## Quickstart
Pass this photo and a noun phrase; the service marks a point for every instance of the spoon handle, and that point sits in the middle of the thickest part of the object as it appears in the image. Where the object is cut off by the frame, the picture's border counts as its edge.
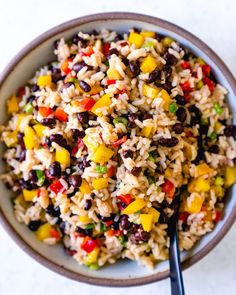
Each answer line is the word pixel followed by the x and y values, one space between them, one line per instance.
pixel 177 286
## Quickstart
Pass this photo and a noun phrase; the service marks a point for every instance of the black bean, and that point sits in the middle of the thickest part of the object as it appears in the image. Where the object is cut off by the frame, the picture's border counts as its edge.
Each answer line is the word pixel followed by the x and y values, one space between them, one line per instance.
pixel 89 232
pixel 83 117
pixel 50 122
pixel 134 228
pixel 27 184
pixel 170 59
pixel 159 169
pixel 230 130
pixel 55 169
pixel 34 225
pixel 80 230
pixel 115 225
pixel 145 236
pixel 35 88
pixel 76 133
pixel 59 139
pixel 20 137
pixel 128 154
pixel 178 128
pixel 80 65
pixel 134 67
pixel 214 149
pixel 75 180
pixel 185 226
pixel 62 226
pixel 84 86
pixel 167 86
pixel 168 142
pixel 132 117
pixel 164 218
pixel 136 170
pixel 118 37
pixel 87 205
pixel 112 51
pixel 56 75
pixel 53 211
pixel 203 129
pixel 125 61
pixel 145 116
pixel 31 98
pixel 76 39
pixel 33 176
pixel 181 114
pixel 167 70
pixel 180 100
pixel 82 165
pixel 140 237
pixel 154 75
pixel 107 218
pixel 22 155
pixel 124 222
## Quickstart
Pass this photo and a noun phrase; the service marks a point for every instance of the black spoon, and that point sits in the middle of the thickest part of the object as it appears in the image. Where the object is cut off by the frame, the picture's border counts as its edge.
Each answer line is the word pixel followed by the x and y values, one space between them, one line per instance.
pixel 176 279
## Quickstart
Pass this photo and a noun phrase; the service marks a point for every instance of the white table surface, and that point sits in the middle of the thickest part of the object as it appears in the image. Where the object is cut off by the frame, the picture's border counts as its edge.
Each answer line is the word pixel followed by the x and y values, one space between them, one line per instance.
pixel 212 21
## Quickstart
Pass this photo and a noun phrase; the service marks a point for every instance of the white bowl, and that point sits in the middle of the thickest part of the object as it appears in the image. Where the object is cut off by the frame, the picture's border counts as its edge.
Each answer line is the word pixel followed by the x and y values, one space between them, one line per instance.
pixel 23 66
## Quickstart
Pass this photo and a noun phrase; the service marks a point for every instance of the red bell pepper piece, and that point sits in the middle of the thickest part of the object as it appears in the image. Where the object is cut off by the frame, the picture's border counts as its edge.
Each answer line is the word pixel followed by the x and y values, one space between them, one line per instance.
pixel 168 188
pixel 127 199
pixel 55 234
pixel 186 86
pixel 87 103
pixel 218 216
pixel 57 187
pixel 21 91
pixel 123 44
pixel 88 244
pixel 119 141
pixel 65 66
pixel 111 81
pixel 183 216
pixel 111 171
pixel 45 111
pixel 187 96
pixel 106 48
pixel 185 64
pixel 61 115
pixel 113 232
pixel 74 150
pixel 206 69
pixel 108 223
pixel 88 52
pixel 209 83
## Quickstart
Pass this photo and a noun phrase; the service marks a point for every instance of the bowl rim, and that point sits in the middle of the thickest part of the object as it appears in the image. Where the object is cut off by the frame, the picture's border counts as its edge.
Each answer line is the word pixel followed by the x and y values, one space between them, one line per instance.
pixel 70 25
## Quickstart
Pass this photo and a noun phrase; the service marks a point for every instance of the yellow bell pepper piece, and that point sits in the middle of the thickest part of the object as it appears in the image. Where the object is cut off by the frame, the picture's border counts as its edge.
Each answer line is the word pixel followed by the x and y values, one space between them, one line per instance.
pixel 44 81
pixel 13 105
pixel 100 183
pixel 218 126
pixel 148 34
pixel 20 117
pixel 136 39
pixel 20 200
pixel 219 191
pixel 30 138
pixel 149 91
pixel 63 156
pixel 113 74
pixel 146 221
pixel 167 41
pixel 104 101
pixel 92 147
pixel 146 131
pixel 134 206
pixel 230 176
pixel 85 188
pixel 195 205
pixel 10 138
pixel 95 89
pixel 102 154
pixel 201 61
pixel 85 219
pixel 168 172
pixel 39 128
pixel 166 98
pixel 148 64
pixel 44 231
pixel 202 185
pixel 29 195
pixel 93 256
pixel 191 186
pixel 208 216
pixel 155 214
pixel 203 169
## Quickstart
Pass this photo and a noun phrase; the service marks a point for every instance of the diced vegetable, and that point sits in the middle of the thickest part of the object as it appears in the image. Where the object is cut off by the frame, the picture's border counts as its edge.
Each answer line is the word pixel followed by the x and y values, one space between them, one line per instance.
pixel 87 103
pixel 21 200
pixel 200 61
pixel 126 199
pixel 102 154
pixel 155 214
pixel 57 187
pixel 186 86
pixel 136 39
pixel 230 176
pixel 202 169
pixel 10 138
pixel 148 34
pixel 134 206
pixel 101 169
pixel 85 188
pixel 173 107
pixel 92 147
pixel 65 67
pixel 45 111
pixel 88 52
pixel 95 89
pixel 111 81
pixel 200 84
pixel 100 183
pixel 29 108
pixel 166 98
pixel 44 81
pixel 20 117
pixel 149 91
pixel 146 221
pixel 94 266
pixel 213 135
pixel 29 195
pixel 61 115
pixel 44 231
pixel 195 205
pixel 202 185
pixel 55 234
pixel 104 101
pixel 93 256
pixel 39 128
pixel 30 138
pixel 41 177
pixel 168 188
pixel 148 44
pixel 206 70
pixel 209 83
pixel 63 156
pixel 113 74
pixel 122 120
pixel 219 191
pixel 106 48
pixel 219 180
pixel 146 131
pixel 111 171
pixel 191 151
pixel 148 64
pixel 12 105
pixel 88 244
pixel 218 126
pixel 167 41
pixel 85 219
pixel 218 109
pixel 119 141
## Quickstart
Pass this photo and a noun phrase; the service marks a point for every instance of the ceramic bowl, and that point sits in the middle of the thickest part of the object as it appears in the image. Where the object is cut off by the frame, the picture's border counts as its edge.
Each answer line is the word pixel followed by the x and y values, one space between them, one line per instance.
pixel 23 66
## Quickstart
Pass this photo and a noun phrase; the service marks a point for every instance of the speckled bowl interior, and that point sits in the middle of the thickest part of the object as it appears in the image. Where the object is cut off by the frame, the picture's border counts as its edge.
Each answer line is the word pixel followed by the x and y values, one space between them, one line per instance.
pixel 22 67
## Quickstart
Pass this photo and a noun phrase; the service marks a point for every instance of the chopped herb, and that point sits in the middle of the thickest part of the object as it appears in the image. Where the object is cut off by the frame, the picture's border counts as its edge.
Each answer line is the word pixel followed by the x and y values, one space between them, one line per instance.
pixel 219 180
pixel 173 107
pixel 151 179
pixel 103 227
pixel 212 136
pixel 148 44
pixel 122 120
pixel 199 84
pixel 94 266
pixel 90 226
pixel 151 159
pixel 29 108
pixel 122 240
pixel 73 80
pixel 218 109
pixel 101 169
pixel 41 177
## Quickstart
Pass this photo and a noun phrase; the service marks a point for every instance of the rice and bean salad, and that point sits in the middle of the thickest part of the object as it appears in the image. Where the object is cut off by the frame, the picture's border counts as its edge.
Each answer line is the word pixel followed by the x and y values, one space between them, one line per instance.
pixel 102 140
